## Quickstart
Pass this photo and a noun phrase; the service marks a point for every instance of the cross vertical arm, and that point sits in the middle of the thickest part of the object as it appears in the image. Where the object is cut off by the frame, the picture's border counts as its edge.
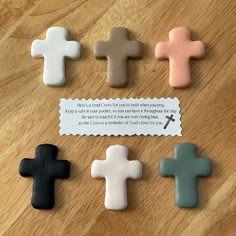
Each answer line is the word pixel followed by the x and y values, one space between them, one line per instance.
pixel 56 32
pixel 186 193
pixel 48 150
pixel 119 33
pixel 116 193
pixel 43 191
pixel 185 149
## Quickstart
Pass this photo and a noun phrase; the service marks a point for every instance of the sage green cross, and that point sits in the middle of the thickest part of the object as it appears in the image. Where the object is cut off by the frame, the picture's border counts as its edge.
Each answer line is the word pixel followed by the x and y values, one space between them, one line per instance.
pixel 186 167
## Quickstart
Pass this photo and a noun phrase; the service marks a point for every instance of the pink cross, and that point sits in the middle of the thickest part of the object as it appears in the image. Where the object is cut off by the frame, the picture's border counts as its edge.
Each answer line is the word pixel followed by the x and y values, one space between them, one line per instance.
pixel 179 50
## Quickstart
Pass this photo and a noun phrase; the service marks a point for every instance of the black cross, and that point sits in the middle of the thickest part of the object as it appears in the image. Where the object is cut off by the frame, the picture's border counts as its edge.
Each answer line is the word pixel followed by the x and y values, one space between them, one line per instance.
pixel 170 118
pixel 44 169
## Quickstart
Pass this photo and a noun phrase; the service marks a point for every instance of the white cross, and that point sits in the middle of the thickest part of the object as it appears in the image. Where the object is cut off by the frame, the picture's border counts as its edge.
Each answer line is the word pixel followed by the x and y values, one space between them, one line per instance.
pixel 116 169
pixel 54 50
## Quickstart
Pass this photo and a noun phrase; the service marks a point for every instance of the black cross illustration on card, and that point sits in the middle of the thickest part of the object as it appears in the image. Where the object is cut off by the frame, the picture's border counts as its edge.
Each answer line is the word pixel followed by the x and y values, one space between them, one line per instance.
pixel 170 118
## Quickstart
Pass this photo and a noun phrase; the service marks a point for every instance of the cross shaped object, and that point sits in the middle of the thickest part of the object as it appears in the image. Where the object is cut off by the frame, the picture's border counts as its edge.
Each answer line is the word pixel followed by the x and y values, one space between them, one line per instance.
pixel 117 49
pixel 54 50
pixel 185 167
pixel 44 169
pixel 116 169
pixel 170 118
pixel 179 50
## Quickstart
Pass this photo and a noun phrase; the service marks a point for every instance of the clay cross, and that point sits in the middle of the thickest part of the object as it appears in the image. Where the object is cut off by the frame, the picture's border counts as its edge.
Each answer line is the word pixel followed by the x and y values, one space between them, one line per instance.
pixel 44 169
pixel 179 50
pixel 169 119
pixel 54 50
pixel 116 169
pixel 186 167
pixel 117 49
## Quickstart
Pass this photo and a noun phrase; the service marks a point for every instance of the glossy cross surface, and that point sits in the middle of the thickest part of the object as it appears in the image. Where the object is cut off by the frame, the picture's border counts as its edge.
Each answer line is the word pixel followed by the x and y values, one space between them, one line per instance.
pixel 116 169
pixel 44 169
pixel 179 50
pixel 186 167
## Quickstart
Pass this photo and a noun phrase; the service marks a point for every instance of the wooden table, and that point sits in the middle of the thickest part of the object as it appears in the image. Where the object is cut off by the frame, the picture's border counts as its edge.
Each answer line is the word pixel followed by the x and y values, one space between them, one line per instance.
pixel 30 116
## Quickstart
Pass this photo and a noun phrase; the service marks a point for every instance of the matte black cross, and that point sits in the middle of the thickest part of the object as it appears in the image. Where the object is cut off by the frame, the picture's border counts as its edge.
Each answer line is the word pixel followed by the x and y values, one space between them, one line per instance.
pixel 44 169
pixel 170 118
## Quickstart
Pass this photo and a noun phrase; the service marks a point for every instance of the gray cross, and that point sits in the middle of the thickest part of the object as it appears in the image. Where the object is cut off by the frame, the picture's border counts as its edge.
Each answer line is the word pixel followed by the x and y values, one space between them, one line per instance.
pixel 185 167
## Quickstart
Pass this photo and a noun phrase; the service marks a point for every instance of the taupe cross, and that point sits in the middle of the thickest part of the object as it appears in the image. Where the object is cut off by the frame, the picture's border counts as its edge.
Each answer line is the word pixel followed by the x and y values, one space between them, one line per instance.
pixel 117 49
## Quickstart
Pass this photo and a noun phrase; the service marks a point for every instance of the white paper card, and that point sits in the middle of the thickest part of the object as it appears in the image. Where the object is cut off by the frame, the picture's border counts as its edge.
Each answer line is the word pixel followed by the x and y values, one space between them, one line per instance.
pixel 150 116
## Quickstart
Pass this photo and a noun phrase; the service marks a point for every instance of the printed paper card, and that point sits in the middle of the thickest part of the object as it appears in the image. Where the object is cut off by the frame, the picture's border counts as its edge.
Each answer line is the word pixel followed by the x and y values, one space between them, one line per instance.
pixel 134 116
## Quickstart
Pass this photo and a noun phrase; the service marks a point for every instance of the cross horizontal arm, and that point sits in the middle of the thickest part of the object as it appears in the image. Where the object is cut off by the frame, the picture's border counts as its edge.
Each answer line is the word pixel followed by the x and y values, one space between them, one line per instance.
pixel 203 166
pixel 196 49
pixel 162 51
pixel 72 50
pixel 98 169
pixel 38 48
pixel 168 167
pixel 135 169
pixel 134 49
pixel 60 169
pixel 101 49
pixel 26 167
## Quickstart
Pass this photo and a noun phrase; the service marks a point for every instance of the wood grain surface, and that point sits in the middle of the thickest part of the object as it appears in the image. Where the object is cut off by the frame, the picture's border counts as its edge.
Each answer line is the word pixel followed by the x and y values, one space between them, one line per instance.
pixel 29 115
